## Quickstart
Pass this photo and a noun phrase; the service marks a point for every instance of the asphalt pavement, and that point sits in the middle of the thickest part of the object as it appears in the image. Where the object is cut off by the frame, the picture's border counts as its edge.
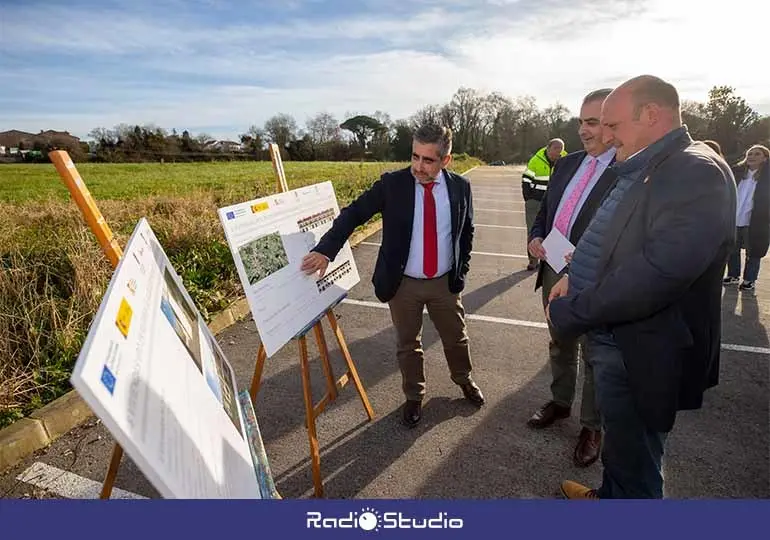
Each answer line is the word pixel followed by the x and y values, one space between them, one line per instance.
pixel 458 450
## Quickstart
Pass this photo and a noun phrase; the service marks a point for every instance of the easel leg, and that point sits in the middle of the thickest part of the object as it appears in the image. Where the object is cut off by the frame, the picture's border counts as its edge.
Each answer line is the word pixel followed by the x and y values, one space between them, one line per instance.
pixel 353 371
pixel 323 350
pixel 257 377
pixel 315 455
pixel 112 472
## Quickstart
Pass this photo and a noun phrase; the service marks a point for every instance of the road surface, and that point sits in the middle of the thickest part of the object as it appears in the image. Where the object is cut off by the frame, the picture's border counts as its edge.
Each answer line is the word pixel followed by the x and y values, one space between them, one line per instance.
pixel 458 451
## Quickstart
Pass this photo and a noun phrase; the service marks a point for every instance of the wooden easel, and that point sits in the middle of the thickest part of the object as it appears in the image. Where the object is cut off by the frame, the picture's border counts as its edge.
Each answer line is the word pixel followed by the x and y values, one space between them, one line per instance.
pixel 312 410
pixel 95 220
pixel 104 235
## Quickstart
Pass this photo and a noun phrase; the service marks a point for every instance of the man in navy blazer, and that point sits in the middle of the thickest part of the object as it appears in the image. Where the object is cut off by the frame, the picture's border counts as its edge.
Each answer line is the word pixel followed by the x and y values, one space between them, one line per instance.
pixel 578 184
pixel 645 284
pixel 427 237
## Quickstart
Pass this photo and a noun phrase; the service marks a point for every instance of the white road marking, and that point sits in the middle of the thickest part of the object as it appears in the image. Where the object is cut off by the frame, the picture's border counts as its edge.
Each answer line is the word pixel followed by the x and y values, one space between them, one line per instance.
pixel 509 322
pixel 496 210
pixel 499 226
pixel 499 199
pixel 471 316
pixel 68 485
pixel 745 348
pixel 537 324
pixel 504 255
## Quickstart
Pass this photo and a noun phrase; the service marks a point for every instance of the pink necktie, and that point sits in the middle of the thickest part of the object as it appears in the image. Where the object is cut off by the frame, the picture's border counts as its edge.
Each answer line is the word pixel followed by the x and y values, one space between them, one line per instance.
pixel 564 217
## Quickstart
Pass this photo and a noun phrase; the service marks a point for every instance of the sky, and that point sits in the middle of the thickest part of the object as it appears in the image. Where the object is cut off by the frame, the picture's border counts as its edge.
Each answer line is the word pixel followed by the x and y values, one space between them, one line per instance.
pixel 218 67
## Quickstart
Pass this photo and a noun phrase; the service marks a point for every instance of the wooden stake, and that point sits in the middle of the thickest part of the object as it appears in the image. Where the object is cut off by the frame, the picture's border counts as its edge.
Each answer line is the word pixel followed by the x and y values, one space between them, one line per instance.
pixel 82 197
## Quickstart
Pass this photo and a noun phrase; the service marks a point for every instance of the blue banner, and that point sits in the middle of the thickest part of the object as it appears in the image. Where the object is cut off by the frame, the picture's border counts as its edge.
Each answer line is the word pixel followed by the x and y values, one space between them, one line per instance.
pixel 617 520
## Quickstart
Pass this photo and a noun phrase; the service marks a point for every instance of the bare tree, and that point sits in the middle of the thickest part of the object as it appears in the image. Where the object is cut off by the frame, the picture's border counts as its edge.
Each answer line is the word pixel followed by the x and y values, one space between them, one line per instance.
pixel 103 136
pixel 555 117
pixel 281 129
pixel 323 128
pixel 427 115
pixel 468 108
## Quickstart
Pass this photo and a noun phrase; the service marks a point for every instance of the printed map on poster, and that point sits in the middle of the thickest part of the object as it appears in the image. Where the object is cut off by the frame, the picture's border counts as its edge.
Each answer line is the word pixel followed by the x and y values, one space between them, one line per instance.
pixel 151 370
pixel 268 238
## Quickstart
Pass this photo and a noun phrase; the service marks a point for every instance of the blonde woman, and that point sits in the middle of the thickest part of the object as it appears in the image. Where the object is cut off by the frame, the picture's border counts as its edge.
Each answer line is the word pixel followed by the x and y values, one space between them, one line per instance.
pixel 752 174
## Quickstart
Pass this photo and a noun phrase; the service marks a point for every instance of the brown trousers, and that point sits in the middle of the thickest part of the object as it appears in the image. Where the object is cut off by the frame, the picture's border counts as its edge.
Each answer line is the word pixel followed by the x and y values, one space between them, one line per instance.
pixel 448 315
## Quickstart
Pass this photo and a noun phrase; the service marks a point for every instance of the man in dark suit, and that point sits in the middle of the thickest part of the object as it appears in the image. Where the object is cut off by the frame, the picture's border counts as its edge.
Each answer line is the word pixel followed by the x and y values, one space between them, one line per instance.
pixel 645 284
pixel 427 235
pixel 578 184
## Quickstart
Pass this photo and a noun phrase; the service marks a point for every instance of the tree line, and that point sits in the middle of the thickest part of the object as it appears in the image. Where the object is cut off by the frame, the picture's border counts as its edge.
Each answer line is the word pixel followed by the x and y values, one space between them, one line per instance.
pixel 490 126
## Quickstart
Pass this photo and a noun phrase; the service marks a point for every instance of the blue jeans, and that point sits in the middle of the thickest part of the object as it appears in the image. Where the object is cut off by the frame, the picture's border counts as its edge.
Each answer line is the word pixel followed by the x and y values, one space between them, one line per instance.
pixel 751 272
pixel 632 453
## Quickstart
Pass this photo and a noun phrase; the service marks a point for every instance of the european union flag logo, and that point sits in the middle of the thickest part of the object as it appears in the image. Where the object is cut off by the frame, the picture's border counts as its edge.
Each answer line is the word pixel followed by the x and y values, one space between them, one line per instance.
pixel 231 215
pixel 108 379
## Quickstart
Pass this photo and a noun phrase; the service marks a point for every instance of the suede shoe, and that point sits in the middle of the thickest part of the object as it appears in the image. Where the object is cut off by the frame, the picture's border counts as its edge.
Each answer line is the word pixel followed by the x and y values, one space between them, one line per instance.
pixel 573 490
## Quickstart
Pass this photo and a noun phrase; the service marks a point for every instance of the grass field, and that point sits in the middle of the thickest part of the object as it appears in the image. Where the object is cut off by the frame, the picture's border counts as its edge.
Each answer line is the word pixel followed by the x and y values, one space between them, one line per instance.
pixel 231 180
pixel 53 274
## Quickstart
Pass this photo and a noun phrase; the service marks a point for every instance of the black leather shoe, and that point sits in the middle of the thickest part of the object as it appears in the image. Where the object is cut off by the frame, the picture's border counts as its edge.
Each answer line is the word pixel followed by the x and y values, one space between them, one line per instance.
pixel 473 393
pixel 547 415
pixel 412 413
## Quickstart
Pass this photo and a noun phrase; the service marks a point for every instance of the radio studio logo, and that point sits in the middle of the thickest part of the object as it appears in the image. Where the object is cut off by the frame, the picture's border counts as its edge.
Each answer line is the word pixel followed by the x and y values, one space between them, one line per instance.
pixel 369 519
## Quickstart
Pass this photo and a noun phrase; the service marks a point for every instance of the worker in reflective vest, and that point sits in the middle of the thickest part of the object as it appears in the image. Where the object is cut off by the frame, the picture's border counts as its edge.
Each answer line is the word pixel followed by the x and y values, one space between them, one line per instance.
pixel 534 182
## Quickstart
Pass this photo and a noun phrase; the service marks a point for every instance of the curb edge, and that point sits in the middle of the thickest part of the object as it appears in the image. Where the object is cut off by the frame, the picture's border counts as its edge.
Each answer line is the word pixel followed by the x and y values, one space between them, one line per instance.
pixel 46 424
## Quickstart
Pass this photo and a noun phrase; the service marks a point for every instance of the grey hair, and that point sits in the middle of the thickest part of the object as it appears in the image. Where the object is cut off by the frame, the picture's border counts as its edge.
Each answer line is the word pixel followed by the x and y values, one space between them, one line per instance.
pixel 554 141
pixel 435 134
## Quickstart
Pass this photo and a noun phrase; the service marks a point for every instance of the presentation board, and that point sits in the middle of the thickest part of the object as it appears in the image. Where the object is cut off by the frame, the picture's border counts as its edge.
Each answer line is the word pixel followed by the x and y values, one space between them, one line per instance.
pixel 151 370
pixel 268 238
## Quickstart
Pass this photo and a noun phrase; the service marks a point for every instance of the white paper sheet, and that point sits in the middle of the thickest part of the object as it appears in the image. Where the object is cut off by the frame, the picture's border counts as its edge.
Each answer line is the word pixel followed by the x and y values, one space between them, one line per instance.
pixel 154 374
pixel 268 238
pixel 556 247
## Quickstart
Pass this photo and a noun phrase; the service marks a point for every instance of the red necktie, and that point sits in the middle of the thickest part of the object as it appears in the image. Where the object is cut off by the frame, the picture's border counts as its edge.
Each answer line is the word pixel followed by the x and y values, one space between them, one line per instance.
pixel 429 234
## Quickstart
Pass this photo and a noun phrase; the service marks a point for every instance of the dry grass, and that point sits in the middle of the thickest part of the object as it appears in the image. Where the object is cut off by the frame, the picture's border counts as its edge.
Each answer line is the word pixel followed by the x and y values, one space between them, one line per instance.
pixel 53 274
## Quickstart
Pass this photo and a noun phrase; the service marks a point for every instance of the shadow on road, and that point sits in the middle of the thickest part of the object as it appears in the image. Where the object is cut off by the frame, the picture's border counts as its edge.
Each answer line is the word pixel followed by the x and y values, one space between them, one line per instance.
pixel 357 458
pixel 374 357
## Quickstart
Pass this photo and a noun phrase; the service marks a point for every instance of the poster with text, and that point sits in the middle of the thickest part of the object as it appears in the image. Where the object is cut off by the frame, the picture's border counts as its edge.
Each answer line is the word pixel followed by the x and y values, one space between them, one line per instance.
pixel 151 370
pixel 268 238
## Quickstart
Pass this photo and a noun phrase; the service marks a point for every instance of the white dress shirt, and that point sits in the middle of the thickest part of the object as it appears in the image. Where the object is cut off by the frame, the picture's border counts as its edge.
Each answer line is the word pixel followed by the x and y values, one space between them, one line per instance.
pixel 604 161
pixel 745 205
pixel 443 228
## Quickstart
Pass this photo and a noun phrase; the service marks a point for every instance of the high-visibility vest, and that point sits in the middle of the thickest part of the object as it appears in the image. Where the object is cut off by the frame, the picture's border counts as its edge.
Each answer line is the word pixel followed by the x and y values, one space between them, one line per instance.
pixel 535 177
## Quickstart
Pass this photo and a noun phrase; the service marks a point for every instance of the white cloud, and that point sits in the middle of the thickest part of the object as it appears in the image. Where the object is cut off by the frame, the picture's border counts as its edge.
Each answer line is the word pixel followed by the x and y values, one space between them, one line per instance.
pixel 232 76
pixel 669 39
pixel 118 33
pixel 338 85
